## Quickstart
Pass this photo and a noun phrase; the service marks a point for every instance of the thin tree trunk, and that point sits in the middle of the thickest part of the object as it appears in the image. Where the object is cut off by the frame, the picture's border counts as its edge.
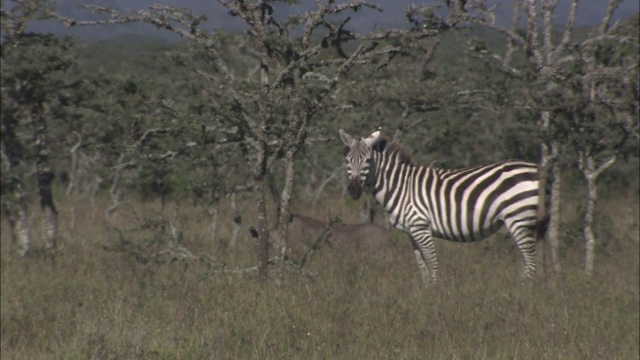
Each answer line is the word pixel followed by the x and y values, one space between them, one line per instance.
pixel 542 240
pixel 21 226
pixel 319 190
pixel 73 180
pixel 14 203
pixel 294 140
pixel 213 212
pixel 263 231
pixel 114 193
pixel 72 216
pixel 45 179
pixel 260 166
pixel 285 202
pixel 553 229
pixel 589 237
pixel 94 194
pixel 591 174
pixel 73 167
pixel 549 164
pixel 16 210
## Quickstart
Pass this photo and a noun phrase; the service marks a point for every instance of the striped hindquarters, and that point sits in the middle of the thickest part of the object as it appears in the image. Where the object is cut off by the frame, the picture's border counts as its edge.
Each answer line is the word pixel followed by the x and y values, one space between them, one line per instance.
pixel 471 204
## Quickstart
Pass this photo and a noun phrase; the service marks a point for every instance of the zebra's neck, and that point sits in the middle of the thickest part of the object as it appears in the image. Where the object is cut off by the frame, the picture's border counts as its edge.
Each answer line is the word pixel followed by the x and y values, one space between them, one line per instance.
pixel 391 172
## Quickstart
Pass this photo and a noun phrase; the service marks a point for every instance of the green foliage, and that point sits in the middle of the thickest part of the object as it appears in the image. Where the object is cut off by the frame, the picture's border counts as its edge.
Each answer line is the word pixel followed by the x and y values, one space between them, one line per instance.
pixel 599 97
pixel 443 102
pixel 35 80
pixel 34 73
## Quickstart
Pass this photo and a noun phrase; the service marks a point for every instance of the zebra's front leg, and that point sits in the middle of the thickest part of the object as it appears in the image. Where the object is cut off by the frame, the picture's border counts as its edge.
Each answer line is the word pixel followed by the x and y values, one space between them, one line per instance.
pixel 425 251
pixel 422 264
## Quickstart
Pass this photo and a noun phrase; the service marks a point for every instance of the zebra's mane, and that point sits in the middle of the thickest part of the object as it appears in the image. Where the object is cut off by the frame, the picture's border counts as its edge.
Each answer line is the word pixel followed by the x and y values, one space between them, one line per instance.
pixel 394 150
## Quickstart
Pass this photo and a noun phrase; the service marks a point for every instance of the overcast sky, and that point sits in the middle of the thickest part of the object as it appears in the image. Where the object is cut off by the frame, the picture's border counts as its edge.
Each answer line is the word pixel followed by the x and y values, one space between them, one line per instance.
pixel 589 13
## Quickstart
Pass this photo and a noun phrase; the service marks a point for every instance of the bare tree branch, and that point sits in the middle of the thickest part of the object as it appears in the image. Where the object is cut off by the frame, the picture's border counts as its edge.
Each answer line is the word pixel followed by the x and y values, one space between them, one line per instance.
pixel 605 24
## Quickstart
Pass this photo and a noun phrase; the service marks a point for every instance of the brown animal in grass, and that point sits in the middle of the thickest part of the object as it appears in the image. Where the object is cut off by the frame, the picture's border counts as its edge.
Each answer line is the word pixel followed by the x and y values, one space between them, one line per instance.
pixel 305 233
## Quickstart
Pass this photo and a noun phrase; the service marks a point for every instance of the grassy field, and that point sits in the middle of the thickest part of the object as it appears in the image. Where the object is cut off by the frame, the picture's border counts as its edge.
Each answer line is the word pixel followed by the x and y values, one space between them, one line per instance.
pixel 92 303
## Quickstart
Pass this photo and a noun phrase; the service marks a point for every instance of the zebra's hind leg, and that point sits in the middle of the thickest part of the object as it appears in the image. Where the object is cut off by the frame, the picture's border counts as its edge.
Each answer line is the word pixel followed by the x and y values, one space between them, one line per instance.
pixel 425 251
pixel 523 236
pixel 422 265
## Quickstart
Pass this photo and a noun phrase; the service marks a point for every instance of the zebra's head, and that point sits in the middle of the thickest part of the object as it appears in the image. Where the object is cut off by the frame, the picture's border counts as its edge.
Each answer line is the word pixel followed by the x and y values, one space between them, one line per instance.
pixel 358 161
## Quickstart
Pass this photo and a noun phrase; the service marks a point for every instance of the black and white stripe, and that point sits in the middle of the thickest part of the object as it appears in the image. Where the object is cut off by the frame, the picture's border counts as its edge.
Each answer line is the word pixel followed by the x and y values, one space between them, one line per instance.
pixel 459 205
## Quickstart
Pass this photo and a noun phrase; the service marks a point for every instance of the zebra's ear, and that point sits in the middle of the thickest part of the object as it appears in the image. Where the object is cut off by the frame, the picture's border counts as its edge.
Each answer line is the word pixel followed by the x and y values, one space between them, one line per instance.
pixel 372 139
pixel 346 138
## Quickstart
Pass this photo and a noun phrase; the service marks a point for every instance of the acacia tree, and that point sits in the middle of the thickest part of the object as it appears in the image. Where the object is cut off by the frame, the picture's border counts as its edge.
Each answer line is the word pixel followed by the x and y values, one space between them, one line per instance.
pixel 601 107
pixel 544 54
pixel 541 56
pixel 266 106
pixel 34 76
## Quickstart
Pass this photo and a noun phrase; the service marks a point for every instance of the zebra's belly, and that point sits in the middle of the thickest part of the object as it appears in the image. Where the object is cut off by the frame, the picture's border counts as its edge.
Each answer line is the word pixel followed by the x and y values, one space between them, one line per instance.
pixel 463 235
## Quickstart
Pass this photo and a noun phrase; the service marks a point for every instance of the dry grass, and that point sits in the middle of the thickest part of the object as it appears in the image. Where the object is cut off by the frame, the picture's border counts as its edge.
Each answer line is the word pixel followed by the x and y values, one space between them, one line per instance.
pixel 96 304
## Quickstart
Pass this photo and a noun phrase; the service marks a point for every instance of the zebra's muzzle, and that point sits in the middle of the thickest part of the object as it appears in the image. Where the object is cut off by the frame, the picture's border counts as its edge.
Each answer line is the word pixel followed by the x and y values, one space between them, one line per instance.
pixel 355 188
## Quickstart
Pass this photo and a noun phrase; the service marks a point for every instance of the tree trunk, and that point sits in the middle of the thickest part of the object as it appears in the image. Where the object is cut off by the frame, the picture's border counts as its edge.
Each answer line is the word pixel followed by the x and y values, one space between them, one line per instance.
pixel 550 166
pixel 14 202
pixel 213 212
pixel 45 179
pixel 591 174
pixel 260 166
pixel 73 167
pixel 16 210
pixel 114 192
pixel 21 227
pixel 542 240
pixel 589 237
pixel 94 194
pixel 283 221
pixel 553 228
pixel 73 181
pixel 263 231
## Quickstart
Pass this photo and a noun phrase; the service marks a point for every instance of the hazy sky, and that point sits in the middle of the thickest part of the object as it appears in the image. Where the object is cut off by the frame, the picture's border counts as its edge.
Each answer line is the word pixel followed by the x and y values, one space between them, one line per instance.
pixel 589 13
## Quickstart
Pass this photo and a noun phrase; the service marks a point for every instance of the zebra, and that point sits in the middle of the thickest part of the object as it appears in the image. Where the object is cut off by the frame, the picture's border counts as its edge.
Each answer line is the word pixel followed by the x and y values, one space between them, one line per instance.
pixel 460 205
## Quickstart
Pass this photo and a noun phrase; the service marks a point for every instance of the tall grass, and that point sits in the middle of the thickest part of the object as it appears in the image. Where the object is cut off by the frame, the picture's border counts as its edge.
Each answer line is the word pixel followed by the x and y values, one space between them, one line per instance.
pixel 91 303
